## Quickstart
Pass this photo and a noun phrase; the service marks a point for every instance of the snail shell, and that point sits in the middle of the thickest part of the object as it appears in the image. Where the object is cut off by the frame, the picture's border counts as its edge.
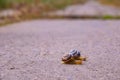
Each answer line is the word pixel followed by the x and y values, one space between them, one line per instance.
pixel 75 53
pixel 66 58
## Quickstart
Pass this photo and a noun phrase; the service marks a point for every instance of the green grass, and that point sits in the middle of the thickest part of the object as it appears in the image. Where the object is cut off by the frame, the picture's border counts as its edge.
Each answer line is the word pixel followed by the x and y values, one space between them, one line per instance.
pixel 50 3
pixel 111 2
pixel 60 3
pixel 108 17
pixel 9 3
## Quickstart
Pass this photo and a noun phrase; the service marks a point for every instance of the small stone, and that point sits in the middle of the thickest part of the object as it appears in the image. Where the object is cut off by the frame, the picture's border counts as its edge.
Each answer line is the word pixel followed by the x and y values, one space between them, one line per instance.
pixel 11 68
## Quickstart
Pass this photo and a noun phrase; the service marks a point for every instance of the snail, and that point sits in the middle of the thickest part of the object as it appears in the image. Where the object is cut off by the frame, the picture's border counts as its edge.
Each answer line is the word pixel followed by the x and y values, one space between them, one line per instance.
pixel 73 57
pixel 76 55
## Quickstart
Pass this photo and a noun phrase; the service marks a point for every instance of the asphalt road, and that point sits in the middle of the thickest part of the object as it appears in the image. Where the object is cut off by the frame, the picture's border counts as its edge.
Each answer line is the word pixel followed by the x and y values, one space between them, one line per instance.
pixel 32 50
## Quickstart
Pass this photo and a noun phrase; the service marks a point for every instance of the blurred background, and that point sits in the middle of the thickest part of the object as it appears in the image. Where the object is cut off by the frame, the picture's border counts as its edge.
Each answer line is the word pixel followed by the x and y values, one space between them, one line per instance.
pixel 44 30
pixel 17 10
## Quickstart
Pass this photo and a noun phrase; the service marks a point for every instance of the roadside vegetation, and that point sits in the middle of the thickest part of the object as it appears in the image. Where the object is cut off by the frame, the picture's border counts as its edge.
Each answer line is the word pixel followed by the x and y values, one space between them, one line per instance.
pixel 32 9
pixel 111 2
pixel 51 3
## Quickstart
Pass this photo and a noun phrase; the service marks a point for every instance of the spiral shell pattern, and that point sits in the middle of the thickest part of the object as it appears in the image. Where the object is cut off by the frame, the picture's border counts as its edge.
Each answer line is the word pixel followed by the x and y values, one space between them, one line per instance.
pixel 75 53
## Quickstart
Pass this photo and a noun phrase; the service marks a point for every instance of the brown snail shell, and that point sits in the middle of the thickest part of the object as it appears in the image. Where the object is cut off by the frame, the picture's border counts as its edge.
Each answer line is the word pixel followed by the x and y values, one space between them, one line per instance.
pixel 66 58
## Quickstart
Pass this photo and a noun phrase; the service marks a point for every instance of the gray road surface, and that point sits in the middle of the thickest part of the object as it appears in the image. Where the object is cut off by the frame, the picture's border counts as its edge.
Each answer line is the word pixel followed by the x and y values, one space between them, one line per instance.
pixel 32 50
